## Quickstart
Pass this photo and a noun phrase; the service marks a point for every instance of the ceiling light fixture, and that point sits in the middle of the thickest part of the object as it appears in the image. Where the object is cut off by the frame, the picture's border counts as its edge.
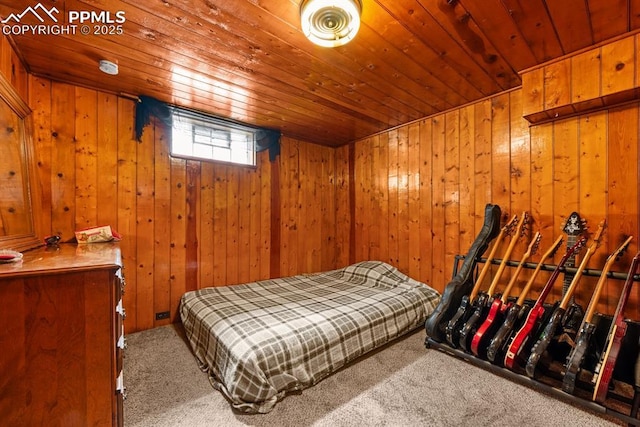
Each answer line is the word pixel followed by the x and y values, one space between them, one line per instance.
pixel 108 67
pixel 330 23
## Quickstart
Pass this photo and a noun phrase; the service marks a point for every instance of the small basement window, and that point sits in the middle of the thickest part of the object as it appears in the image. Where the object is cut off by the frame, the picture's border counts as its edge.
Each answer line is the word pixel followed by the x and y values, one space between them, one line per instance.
pixel 198 136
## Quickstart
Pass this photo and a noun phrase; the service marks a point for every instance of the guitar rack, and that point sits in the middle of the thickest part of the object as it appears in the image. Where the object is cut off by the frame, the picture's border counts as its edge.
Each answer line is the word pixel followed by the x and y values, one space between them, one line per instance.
pixel 623 406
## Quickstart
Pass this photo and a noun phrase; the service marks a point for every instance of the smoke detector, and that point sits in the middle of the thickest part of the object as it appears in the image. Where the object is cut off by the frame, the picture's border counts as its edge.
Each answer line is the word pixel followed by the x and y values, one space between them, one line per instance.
pixel 108 67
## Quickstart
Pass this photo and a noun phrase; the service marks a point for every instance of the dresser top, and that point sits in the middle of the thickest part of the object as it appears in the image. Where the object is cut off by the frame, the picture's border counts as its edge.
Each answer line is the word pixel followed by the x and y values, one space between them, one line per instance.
pixel 65 258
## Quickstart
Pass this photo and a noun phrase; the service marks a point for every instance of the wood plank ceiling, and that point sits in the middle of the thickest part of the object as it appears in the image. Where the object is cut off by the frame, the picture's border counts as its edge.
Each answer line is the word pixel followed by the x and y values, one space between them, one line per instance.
pixel 249 61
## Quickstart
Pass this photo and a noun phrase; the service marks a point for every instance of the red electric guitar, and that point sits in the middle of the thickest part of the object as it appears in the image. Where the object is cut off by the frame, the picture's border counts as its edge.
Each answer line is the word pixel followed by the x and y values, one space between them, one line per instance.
pixel 484 301
pixel 515 356
pixel 617 331
pixel 495 352
pixel 554 324
pixel 500 306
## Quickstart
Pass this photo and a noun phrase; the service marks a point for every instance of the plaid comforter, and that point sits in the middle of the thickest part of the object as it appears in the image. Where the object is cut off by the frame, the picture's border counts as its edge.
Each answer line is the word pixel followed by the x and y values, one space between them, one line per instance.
pixel 260 340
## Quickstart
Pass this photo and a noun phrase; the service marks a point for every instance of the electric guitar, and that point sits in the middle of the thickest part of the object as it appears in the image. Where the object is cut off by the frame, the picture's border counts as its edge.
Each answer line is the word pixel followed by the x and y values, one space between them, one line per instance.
pixel 604 368
pixel 483 300
pixel 517 310
pixel 576 357
pixel 554 324
pixel 469 302
pixel 462 283
pixel 514 356
pixel 499 306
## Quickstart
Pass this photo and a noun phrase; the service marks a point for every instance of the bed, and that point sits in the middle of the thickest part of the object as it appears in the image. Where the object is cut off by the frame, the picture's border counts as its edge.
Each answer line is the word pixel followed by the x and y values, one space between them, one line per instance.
pixel 260 340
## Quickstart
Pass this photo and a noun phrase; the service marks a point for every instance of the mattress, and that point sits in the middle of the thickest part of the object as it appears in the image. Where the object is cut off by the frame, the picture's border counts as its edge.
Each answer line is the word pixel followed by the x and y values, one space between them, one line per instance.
pixel 261 340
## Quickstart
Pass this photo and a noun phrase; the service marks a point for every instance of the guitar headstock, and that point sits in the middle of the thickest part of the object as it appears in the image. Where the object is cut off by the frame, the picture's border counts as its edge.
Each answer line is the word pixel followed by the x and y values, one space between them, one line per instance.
pixel 598 236
pixel 574 225
pixel 534 245
pixel 510 226
pixel 622 248
pixel 577 246
pixel 526 221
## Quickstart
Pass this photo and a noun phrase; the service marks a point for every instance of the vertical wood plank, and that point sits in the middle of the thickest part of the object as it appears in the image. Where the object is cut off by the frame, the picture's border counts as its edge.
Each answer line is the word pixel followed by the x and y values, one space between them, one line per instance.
pixel 145 227
pixel 86 162
pixel 107 146
pixel 618 66
pixel 220 226
pixel 178 224
pixel 403 200
pixel 413 206
pixel 393 198
pixel 383 179
pixel 440 271
pixel 451 189
pixel 426 220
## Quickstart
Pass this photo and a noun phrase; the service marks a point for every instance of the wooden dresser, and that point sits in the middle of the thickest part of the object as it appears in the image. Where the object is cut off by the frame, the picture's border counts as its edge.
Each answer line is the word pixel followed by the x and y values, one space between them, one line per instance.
pixel 62 337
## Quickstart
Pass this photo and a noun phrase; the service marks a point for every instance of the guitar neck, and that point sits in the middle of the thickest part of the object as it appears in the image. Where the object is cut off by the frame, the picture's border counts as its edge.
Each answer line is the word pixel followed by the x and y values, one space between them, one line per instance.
pixel 591 309
pixel 571 262
pixel 618 316
pixel 525 291
pixel 486 266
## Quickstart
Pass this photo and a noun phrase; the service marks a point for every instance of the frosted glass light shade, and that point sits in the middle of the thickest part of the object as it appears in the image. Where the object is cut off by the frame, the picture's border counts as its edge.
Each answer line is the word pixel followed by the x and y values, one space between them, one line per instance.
pixel 330 23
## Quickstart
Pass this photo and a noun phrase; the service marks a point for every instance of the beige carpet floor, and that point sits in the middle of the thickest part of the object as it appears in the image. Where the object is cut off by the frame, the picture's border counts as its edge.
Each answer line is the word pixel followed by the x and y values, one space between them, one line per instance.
pixel 403 384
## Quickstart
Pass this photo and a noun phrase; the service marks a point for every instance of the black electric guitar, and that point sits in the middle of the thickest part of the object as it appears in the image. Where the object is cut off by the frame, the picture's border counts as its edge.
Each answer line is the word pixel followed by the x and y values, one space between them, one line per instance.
pixel 576 357
pixel 499 306
pixel 467 306
pixel 495 351
pixel 484 300
pixel 618 329
pixel 462 283
pixel 520 341
pixel 553 326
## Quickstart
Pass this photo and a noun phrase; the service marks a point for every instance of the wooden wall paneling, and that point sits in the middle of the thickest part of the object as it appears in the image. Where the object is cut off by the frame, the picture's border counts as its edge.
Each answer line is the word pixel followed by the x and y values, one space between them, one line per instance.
pixel 63 160
pixel 328 209
pixel 267 210
pixel 162 217
pixel 426 218
pixel 233 226
pixel 363 219
pixel 244 224
pixel 501 170
pixel 592 186
pixel 533 95
pixel 255 221
pixel 145 227
pixel 127 226
pixel 220 225
pixel 343 206
pixel 623 198
pixel 289 202
pixel 618 66
pixel 383 178
pixel 482 162
pixel 192 209
pixel 178 171
pixel 542 196
pixel 566 184
pixel 40 101
pixel 520 170
pixel 107 159
pixel 452 228
pixel 403 200
pixel 413 206
pixel 394 182
pixel 14 291
pixel 441 272
pixel 86 162
pixel 466 170
pixel 375 196
pixel 557 87
pixel 313 211
pixel 205 226
pixel 586 79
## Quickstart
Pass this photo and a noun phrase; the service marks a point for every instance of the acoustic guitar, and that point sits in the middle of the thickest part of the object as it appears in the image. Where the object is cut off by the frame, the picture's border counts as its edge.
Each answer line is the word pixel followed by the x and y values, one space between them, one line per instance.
pixel 618 329
pixel 469 302
pixel 587 328
pixel 554 324
pixel 517 310
pixel 514 356
pixel 499 306
pixel 481 309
